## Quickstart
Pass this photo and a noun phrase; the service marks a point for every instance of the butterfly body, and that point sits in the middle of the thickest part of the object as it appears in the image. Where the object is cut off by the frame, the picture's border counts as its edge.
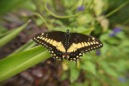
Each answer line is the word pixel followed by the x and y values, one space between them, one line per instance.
pixel 66 45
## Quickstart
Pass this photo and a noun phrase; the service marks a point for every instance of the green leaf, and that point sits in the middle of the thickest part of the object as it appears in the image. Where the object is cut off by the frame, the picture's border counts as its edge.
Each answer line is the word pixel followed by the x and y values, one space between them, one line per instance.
pixel 95 83
pixel 14 64
pixel 12 35
pixel 74 72
pixel 98 7
pixel 108 69
pixel 83 30
pixel 7 5
pixel 86 83
pixel 84 19
pixel 26 46
pixel 64 76
pixel 2 29
pixel 89 66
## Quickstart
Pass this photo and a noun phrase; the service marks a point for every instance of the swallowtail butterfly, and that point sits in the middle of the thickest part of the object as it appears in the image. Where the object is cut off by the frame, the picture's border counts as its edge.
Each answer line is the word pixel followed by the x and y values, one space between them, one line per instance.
pixel 66 45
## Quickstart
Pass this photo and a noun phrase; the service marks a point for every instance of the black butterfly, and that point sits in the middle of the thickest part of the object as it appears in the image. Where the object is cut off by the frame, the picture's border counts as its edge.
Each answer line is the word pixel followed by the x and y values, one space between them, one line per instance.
pixel 65 45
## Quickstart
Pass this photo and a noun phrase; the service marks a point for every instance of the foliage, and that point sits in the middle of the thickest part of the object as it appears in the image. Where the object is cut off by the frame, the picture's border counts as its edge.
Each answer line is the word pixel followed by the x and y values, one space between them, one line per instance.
pixel 105 67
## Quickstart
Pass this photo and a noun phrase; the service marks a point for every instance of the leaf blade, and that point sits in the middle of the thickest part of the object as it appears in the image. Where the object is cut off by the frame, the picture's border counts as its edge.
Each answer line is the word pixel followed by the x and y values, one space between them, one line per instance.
pixel 12 35
pixel 14 64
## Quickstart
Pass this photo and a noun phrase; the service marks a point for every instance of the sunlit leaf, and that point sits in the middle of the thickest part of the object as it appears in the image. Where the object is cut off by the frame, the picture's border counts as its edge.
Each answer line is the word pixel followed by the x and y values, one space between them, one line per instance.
pixel 4 40
pixel 74 72
pixel 108 69
pixel 16 63
pixel 90 67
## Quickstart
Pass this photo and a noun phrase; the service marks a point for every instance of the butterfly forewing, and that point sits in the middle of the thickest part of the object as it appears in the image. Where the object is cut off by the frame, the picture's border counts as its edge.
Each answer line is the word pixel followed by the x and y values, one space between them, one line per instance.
pixel 49 38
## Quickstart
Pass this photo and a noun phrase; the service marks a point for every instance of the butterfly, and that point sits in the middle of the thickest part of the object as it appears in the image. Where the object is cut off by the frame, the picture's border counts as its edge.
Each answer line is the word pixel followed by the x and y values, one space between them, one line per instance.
pixel 66 45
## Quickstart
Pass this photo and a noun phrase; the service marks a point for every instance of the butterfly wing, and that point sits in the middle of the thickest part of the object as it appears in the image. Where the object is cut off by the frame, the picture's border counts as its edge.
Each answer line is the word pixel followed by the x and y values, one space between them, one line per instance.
pixel 53 41
pixel 80 44
pixel 67 45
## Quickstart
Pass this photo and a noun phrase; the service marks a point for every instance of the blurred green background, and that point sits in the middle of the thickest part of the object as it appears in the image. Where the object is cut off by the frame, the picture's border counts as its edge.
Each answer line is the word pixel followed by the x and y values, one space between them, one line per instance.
pixel 24 63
